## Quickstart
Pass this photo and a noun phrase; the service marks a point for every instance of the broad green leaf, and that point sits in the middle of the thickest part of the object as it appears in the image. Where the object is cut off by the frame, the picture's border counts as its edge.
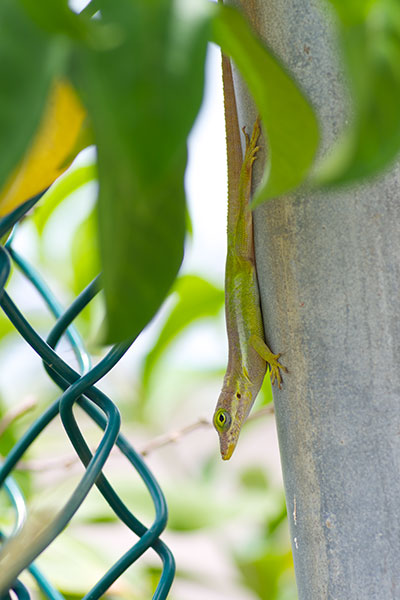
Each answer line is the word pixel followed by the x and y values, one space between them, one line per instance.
pixel 91 8
pixel 287 116
pixel 196 298
pixel 62 188
pixel 143 96
pixel 353 12
pixel 29 61
pixel 55 16
pixel 370 34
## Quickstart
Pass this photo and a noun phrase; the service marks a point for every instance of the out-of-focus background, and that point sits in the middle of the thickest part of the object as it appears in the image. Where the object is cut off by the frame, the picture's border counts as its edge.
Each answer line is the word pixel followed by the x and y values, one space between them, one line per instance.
pixel 227 525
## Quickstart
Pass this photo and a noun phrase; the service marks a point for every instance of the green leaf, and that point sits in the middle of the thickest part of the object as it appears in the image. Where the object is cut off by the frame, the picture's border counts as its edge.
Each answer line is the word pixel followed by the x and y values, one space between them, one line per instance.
pixel 85 558
pixel 8 437
pixel 6 327
pixel 85 255
pixel 370 34
pixel 354 11
pixel 143 95
pixel 196 298
pixel 29 60
pixel 268 573
pixel 55 16
pixel 254 478
pixel 196 507
pixel 63 187
pixel 91 8
pixel 287 116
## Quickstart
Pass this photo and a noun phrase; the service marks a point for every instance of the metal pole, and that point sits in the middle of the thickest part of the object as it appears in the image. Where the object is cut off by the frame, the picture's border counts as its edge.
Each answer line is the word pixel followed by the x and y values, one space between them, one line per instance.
pixel 329 273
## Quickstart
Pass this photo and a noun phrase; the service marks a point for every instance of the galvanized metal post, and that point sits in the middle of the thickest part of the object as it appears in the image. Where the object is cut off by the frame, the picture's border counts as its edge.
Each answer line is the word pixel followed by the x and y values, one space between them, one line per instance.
pixel 329 272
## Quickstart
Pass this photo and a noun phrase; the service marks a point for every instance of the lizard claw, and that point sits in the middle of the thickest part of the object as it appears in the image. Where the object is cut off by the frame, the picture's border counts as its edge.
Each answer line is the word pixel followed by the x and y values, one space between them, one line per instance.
pixel 275 369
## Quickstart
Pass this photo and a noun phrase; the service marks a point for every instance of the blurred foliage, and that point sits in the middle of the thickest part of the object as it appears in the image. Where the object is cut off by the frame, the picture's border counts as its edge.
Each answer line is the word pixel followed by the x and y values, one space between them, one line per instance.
pixel 60 130
pixel 196 298
pixel 369 33
pixel 23 47
pixel 10 432
pixel 138 70
pixel 269 574
pixel 63 187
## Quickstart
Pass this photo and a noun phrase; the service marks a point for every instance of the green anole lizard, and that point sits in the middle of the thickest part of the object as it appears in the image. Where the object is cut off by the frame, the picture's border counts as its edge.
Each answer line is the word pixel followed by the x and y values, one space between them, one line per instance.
pixel 249 355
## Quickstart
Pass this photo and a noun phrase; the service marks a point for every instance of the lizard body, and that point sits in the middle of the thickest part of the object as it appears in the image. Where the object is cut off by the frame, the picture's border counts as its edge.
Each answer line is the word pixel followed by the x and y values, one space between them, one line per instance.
pixel 248 352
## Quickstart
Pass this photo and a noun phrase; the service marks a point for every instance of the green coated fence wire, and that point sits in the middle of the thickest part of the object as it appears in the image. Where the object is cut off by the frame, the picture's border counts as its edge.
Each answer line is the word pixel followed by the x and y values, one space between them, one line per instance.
pixel 77 388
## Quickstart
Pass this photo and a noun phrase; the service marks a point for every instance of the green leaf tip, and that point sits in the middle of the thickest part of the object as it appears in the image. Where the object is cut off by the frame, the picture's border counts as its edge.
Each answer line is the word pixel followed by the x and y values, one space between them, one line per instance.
pixel 288 117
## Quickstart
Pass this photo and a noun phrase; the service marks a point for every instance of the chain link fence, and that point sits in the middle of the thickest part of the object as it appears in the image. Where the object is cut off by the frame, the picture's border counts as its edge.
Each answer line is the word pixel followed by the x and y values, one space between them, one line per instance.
pixel 77 388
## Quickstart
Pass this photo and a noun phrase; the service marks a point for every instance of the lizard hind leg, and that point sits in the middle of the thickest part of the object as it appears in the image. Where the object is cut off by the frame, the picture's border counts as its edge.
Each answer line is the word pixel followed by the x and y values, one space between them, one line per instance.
pixel 272 359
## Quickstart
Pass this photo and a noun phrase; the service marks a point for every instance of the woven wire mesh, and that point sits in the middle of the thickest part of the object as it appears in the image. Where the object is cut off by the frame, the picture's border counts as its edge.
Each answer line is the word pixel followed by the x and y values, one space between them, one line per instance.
pixel 77 388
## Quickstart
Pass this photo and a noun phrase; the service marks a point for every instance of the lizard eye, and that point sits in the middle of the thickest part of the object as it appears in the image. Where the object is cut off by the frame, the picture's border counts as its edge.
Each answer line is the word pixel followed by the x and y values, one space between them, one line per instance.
pixel 222 419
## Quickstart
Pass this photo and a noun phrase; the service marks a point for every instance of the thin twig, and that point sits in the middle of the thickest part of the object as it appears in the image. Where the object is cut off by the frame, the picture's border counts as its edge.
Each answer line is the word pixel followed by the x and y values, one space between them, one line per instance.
pixel 47 464
pixel 161 441
pixel 261 412
pixel 174 436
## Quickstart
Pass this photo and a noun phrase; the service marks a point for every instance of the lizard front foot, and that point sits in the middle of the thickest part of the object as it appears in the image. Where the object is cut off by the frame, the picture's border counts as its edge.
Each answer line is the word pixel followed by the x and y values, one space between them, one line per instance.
pixel 275 368
pixel 272 359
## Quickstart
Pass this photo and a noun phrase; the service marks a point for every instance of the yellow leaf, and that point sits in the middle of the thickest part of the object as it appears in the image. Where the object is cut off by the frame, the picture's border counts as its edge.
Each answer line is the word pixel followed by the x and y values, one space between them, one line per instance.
pixel 51 151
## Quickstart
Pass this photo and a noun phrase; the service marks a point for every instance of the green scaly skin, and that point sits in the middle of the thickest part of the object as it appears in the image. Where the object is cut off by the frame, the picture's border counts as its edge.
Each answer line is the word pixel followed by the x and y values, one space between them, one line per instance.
pixel 249 355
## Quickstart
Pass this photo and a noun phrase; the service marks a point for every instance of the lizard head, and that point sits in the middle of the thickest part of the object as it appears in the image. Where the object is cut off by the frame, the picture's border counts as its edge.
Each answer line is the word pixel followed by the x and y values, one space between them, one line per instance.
pixel 232 409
